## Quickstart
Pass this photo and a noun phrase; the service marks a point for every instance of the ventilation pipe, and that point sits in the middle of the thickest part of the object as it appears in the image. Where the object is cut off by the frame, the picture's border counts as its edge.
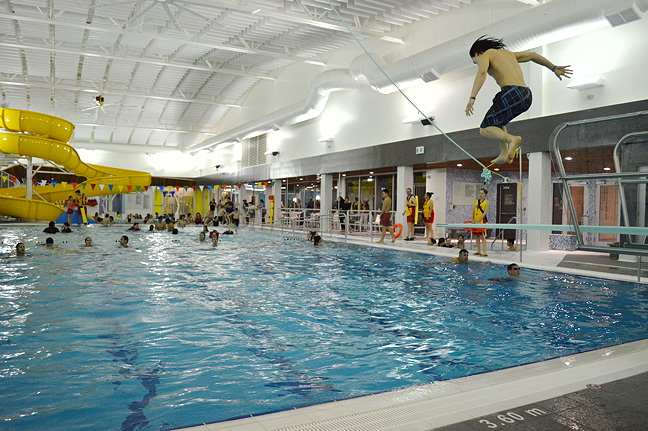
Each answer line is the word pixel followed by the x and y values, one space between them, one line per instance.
pixel 324 84
pixel 548 23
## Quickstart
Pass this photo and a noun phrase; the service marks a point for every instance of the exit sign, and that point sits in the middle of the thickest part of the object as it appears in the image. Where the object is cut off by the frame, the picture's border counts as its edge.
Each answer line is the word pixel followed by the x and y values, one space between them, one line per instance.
pixel 420 150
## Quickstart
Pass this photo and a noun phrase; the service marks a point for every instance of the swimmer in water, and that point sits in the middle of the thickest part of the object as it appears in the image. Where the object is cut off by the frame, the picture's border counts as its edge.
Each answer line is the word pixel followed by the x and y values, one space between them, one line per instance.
pixel 123 241
pixel 201 236
pixel 513 271
pixel 88 242
pixel 492 58
pixel 214 239
pixel 20 249
pixel 463 257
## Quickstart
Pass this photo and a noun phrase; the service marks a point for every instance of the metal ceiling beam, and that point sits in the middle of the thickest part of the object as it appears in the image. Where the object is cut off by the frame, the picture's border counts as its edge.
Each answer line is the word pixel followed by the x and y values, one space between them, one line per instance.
pixel 118 93
pixel 117 29
pixel 133 59
pixel 154 129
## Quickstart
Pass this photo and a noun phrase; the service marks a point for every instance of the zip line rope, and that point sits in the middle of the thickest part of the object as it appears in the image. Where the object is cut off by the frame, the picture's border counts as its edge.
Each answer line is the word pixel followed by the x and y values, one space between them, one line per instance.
pixel 486 173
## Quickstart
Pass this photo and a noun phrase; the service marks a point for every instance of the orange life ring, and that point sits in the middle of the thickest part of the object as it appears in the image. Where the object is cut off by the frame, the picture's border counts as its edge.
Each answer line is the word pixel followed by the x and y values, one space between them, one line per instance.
pixel 477 230
pixel 398 227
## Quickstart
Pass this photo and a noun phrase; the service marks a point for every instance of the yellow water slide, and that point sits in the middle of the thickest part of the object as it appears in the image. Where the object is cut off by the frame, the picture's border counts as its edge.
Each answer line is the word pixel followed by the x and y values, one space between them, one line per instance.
pixel 31 134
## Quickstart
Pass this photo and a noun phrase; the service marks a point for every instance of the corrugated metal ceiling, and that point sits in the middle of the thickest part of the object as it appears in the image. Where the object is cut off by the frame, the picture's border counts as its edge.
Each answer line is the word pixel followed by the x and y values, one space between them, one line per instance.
pixel 170 65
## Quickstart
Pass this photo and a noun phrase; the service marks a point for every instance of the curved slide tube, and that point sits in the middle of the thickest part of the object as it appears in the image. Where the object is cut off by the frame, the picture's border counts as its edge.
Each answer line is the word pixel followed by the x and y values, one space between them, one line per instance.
pixel 51 144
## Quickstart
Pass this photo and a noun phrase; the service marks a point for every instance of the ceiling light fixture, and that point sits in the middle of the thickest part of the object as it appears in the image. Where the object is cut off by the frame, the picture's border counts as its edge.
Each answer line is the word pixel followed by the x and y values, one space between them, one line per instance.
pixel 607 169
pixel 316 63
pixel 459 165
pixel 568 158
pixel 392 39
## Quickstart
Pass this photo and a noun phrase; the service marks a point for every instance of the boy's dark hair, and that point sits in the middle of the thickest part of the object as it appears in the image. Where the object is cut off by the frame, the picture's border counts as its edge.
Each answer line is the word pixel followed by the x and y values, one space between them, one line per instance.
pixel 484 43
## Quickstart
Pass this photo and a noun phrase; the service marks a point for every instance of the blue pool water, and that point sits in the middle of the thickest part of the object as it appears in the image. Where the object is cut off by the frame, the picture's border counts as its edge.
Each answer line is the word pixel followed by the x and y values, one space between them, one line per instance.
pixel 172 332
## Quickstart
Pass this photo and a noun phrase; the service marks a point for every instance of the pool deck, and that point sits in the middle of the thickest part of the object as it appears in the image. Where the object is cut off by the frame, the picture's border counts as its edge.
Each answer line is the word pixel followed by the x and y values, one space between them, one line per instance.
pixel 599 390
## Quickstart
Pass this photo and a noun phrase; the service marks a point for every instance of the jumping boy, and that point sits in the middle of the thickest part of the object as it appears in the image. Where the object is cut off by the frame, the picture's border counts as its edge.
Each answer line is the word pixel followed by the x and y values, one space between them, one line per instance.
pixel 490 56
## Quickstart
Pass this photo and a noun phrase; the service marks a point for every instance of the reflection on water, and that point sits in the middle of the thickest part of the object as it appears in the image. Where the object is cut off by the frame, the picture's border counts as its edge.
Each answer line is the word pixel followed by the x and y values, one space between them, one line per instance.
pixel 170 333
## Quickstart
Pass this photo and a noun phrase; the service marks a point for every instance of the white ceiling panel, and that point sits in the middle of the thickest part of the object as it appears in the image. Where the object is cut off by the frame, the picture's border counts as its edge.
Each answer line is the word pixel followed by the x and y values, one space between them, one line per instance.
pixel 145 76
pixel 102 134
pixel 66 65
pixel 121 71
pixel 38 63
pixel 93 68
pixel 11 61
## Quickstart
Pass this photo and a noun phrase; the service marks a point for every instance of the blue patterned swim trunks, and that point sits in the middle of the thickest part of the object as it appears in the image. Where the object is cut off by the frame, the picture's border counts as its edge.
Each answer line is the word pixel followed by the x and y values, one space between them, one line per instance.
pixel 507 104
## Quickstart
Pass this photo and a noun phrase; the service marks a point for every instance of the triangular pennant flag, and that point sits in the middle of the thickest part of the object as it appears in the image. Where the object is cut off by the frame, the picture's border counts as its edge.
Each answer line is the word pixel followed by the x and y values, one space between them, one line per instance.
pixel 146 188
pixel 110 187
pixel 162 188
pixel 23 180
pixel 5 178
pixel 201 188
pixel 34 181
pixel 93 186
pixel 129 188
pixel 137 188
pixel 210 187
pixel 63 183
pixel 120 187
pixel 186 187
pixel 177 188
pixel 74 185
pixel 83 186
pixel 101 186
pixel 54 183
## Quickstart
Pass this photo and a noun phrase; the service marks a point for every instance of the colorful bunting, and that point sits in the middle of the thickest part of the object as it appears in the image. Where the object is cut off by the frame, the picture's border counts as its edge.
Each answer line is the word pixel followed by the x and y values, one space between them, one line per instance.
pixel 93 186
pixel 110 187
pixel 101 186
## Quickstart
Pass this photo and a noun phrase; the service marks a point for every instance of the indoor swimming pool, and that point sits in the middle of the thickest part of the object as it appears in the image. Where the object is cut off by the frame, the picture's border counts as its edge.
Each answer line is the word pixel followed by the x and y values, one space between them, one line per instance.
pixel 172 332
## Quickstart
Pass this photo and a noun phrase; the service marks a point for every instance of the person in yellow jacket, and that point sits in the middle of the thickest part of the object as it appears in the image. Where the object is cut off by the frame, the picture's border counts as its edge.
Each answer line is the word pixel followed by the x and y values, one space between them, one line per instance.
pixel 410 212
pixel 428 215
pixel 480 209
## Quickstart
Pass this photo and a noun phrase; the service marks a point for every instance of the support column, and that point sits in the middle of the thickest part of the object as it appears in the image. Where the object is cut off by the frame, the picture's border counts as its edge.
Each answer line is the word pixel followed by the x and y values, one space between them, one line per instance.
pixel 404 180
pixel 435 182
pixel 539 201
pixel 341 189
pixel 326 201
pixel 30 174
pixel 275 190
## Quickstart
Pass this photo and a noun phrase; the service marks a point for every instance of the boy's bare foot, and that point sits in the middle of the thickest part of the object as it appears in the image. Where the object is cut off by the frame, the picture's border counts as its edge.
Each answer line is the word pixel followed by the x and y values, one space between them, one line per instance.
pixel 380 242
pixel 512 149
pixel 393 240
pixel 503 155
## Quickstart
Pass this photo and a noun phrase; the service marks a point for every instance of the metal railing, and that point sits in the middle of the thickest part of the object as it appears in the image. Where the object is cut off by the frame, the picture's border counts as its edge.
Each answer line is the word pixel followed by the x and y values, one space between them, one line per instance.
pixel 333 223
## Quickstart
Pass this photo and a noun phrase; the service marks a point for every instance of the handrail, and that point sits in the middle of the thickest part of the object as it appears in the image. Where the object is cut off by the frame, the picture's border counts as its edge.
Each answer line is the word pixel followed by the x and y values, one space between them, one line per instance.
pixel 501 234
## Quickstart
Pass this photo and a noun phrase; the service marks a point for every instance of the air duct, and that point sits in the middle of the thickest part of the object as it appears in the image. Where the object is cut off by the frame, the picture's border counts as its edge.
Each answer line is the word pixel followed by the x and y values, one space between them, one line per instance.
pixel 541 25
pixel 324 84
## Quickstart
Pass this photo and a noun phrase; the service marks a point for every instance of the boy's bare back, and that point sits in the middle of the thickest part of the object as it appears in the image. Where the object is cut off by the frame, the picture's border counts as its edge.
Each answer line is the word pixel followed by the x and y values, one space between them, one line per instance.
pixel 503 66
